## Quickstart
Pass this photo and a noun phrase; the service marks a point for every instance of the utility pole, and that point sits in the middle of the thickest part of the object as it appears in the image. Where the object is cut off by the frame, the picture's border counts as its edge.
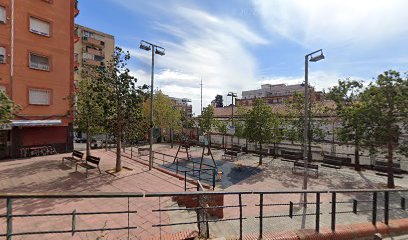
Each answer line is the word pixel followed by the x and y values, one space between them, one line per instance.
pixel 201 85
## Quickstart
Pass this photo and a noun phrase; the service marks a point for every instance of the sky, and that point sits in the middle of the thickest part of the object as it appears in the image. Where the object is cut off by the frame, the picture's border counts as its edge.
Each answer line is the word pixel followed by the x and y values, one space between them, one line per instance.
pixel 237 45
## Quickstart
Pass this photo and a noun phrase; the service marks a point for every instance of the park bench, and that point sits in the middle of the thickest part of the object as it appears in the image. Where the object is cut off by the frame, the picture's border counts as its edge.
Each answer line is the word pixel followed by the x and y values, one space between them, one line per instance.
pixel 335 161
pixel 231 154
pixel 291 156
pixel 90 163
pixel 74 158
pixel 311 167
pixel 237 148
pixel 382 167
pixel 216 145
pixel 142 151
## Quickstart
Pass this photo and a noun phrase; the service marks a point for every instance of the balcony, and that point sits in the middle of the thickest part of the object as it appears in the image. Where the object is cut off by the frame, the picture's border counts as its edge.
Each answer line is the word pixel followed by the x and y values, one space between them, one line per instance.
pixel 76 10
pixel 91 62
pixel 93 42
pixel 76 35
pixel 94 52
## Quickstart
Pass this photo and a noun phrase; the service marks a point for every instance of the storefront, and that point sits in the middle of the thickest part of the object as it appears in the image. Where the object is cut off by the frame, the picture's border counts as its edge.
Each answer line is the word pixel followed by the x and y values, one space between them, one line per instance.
pixel 5 130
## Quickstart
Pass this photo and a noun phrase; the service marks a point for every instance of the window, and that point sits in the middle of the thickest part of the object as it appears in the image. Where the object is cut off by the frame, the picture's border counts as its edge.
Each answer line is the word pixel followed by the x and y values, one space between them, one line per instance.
pixel 3 14
pixel 39 27
pixel 39 96
pixel 2 55
pixel 2 88
pixel 39 62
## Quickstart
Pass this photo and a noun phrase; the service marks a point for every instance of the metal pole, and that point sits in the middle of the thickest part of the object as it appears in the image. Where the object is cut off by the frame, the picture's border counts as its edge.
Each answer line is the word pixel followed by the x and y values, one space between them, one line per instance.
pixel 201 109
pixel 306 129
pixel 151 115
pixel 9 218
pixel 232 103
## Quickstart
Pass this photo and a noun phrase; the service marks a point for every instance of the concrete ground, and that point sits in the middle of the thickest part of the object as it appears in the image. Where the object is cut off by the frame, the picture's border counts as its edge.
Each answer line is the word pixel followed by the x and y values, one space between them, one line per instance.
pixel 47 174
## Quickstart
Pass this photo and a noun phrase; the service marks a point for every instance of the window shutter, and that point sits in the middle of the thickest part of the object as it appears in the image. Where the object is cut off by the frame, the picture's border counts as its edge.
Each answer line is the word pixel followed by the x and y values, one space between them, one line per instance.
pixel 39 62
pixel 39 27
pixel 2 55
pixel 3 14
pixel 39 97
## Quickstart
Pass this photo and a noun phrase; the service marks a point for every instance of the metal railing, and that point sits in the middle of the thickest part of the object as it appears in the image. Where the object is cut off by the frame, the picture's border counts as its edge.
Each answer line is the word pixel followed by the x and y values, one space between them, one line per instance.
pixel 190 168
pixel 369 203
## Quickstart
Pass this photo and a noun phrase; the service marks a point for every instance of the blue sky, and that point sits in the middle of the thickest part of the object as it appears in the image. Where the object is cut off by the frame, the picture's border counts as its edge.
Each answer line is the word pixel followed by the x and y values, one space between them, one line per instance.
pixel 239 45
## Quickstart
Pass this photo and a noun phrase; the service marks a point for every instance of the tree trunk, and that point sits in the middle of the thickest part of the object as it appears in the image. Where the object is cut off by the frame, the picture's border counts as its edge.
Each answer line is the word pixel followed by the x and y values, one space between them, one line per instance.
pixel 223 142
pixel 260 153
pixel 274 150
pixel 246 145
pixel 390 183
pixel 171 137
pixel 106 142
pixel 357 166
pixel 118 148
pixel 88 143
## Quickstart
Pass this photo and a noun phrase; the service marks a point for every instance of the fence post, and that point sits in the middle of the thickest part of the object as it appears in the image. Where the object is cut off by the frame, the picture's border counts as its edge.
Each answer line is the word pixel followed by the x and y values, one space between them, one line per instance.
pixel 374 219
pixel 240 216
pixel 386 207
pixel 317 226
pixel 260 215
pixel 185 181
pixel 9 218
pixel 73 222
pixel 333 212
pixel 176 165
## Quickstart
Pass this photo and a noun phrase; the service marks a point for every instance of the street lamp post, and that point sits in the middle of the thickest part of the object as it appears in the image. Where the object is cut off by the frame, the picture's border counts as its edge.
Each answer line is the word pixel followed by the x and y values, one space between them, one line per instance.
pixel 232 95
pixel 312 57
pixel 160 51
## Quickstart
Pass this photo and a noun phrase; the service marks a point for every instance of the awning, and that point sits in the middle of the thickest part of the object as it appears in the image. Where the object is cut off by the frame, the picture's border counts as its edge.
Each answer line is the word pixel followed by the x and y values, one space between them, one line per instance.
pixel 35 123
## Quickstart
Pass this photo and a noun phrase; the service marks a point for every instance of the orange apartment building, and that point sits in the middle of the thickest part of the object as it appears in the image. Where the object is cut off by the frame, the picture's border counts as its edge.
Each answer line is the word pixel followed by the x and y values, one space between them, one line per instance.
pixel 37 72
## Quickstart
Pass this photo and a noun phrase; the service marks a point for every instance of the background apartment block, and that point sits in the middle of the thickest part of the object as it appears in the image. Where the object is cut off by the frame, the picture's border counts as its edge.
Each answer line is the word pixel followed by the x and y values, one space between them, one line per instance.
pixel 36 71
pixel 91 48
pixel 274 94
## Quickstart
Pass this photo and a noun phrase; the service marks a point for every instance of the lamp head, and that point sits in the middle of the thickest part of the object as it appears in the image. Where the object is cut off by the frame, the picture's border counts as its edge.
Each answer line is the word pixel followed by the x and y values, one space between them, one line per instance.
pixel 317 58
pixel 145 47
pixel 160 51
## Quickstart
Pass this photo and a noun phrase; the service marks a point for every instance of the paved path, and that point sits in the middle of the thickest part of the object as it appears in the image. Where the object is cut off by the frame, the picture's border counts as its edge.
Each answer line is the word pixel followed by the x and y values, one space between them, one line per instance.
pixel 47 174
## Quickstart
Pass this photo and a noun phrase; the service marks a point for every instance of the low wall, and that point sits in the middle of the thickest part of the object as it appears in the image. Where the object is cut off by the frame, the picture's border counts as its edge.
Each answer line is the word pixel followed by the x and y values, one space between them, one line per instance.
pixel 212 201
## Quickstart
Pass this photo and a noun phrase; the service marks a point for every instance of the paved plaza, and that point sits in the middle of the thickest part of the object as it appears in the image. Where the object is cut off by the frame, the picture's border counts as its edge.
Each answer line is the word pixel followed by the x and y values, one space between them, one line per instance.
pixel 47 174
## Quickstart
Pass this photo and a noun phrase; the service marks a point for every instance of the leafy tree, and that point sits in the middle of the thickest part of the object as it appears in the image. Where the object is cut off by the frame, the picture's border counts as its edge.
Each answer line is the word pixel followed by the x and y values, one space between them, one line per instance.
pixel 206 121
pixel 387 101
pixel 352 113
pixel 222 127
pixel 294 123
pixel 277 132
pixel 259 125
pixel 165 113
pixel 121 98
pixel 87 106
pixel 219 102
pixel 7 108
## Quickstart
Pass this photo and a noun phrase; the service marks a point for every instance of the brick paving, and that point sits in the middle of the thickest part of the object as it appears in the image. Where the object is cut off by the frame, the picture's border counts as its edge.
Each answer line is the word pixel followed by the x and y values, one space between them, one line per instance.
pixel 47 174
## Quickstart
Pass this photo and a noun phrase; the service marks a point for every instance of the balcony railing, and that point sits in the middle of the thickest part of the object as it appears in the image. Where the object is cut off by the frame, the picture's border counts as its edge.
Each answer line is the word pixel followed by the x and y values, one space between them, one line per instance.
pixel 94 52
pixel 93 41
pixel 322 210
pixel 91 62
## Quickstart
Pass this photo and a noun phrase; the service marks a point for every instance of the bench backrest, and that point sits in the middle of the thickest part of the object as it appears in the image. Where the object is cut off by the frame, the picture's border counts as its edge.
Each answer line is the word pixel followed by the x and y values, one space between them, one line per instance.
pixel 335 158
pixel 77 154
pixel 92 159
pixel 385 164
pixel 300 164
pixel 285 152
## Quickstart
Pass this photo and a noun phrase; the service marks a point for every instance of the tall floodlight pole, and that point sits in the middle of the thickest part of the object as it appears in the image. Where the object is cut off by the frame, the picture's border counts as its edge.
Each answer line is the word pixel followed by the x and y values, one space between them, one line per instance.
pixel 201 109
pixel 232 95
pixel 160 51
pixel 306 133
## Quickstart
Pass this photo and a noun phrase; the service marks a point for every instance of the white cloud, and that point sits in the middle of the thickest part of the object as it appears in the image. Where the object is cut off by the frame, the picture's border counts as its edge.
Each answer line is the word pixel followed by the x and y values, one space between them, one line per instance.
pixel 335 23
pixel 201 45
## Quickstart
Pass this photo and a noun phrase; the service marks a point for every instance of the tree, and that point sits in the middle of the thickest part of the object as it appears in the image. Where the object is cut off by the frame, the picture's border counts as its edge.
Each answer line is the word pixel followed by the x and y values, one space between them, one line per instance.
pixel 7 108
pixel 259 125
pixel 219 102
pixel 294 123
pixel 166 115
pixel 222 127
pixel 387 102
pixel 87 106
pixel 206 121
pixel 121 98
pixel 352 114
pixel 277 131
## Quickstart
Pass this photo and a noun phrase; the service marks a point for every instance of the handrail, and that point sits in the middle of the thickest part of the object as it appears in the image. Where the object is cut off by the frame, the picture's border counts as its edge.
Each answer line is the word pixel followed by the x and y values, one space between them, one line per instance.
pixel 169 194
